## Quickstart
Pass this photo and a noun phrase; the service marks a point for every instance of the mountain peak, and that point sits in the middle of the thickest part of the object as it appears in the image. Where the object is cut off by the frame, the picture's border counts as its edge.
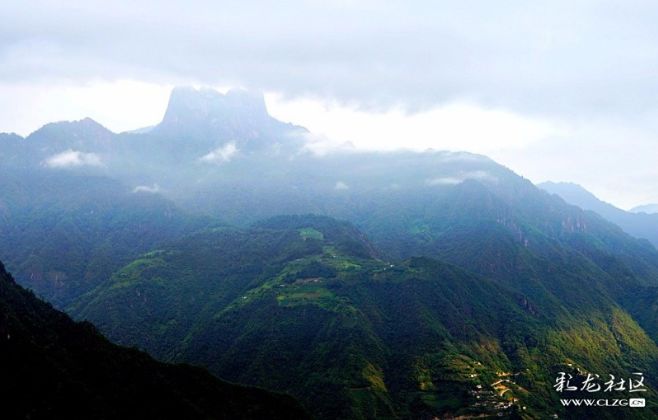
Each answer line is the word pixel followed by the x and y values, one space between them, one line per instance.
pixel 85 125
pixel 189 105
pixel 645 208
pixel 567 190
pixel 577 195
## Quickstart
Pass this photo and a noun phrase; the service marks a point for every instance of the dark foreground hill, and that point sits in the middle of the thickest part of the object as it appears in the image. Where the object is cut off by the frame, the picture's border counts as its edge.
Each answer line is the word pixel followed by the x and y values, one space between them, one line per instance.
pixel 53 367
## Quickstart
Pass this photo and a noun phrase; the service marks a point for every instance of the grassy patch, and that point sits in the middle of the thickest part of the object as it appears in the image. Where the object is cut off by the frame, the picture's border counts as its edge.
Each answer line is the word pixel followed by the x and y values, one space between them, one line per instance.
pixel 310 233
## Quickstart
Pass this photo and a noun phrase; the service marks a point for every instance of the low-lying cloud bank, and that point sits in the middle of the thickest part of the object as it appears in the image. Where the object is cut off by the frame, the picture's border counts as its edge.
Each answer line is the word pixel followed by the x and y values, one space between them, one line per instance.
pixel 222 154
pixel 152 189
pixel 73 158
pixel 461 177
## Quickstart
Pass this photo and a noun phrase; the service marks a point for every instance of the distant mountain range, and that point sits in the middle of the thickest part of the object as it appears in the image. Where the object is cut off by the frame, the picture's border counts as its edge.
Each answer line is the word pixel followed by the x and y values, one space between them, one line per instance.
pixel 646 208
pixel 641 222
pixel 200 130
pixel 366 284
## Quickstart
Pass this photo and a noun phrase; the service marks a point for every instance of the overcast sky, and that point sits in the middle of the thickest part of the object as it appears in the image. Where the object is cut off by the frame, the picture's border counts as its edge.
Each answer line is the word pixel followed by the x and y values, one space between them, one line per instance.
pixel 556 90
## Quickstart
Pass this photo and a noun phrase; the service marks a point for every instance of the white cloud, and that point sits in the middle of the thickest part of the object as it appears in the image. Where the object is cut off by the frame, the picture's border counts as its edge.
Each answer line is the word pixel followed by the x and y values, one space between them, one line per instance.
pixel 73 158
pixel 457 127
pixel 153 189
pixel 321 144
pixel 541 58
pixel 458 179
pixel 449 180
pixel 221 154
pixel 120 105
pixel 341 186
pixel 514 59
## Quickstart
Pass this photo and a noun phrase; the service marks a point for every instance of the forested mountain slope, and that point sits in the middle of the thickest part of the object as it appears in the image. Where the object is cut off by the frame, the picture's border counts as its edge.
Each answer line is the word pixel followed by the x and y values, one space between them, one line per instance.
pixel 63 234
pixel 303 304
pixel 53 367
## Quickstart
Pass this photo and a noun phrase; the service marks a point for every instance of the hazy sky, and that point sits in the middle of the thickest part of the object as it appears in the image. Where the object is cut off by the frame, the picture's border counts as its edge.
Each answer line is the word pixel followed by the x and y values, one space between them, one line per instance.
pixel 559 90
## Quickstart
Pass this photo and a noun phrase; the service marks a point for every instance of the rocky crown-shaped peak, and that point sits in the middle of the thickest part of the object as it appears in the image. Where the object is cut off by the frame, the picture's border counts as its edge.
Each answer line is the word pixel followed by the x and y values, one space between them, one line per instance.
pixel 188 105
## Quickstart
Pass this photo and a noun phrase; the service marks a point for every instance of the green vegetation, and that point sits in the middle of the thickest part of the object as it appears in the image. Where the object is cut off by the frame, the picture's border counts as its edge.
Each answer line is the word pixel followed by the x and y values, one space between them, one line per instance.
pixel 355 336
pixel 55 368
pixel 62 237
pixel 310 233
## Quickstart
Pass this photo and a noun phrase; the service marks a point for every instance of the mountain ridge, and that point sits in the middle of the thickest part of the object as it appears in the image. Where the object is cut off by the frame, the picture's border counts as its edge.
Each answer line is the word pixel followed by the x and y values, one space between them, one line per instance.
pixel 638 224
pixel 645 208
